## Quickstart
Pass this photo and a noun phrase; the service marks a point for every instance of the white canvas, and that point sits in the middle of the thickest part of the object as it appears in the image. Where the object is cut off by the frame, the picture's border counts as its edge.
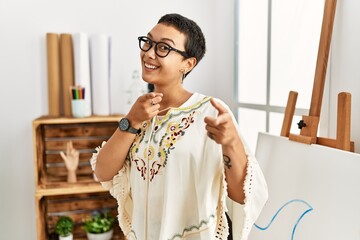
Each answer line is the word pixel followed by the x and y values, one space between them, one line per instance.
pixel 314 191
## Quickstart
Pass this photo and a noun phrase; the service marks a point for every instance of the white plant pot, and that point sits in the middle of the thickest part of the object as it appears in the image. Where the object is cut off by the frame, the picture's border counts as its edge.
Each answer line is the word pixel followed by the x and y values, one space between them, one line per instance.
pixel 70 237
pixel 100 236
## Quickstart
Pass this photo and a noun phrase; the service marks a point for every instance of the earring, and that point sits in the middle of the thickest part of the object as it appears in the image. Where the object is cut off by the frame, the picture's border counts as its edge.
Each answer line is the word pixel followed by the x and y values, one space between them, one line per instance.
pixel 183 74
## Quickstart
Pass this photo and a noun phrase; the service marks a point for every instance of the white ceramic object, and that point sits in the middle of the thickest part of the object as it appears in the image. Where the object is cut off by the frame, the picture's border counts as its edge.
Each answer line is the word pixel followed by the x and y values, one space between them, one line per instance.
pixel 100 236
pixel 70 237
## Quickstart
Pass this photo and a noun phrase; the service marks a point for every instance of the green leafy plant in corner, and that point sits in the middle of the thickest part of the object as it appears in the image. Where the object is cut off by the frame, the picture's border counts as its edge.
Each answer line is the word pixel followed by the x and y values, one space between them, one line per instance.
pixel 64 226
pixel 99 223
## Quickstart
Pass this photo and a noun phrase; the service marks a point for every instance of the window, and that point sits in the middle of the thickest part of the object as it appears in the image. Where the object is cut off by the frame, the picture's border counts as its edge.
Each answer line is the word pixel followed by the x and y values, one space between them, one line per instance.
pixel 276 52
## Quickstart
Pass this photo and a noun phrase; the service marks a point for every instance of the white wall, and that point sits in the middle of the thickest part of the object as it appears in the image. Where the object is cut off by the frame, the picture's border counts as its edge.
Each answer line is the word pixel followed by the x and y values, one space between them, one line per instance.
pixel 23 95
pixel 345 65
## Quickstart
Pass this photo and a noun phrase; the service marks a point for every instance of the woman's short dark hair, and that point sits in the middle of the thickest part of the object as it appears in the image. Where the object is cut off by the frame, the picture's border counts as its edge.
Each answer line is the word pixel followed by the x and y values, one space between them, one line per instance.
pixel 195 41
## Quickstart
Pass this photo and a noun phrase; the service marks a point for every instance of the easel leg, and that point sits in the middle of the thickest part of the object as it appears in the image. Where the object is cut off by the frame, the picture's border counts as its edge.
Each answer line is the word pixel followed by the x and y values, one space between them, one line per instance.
pixel 343 121
pixel 289 113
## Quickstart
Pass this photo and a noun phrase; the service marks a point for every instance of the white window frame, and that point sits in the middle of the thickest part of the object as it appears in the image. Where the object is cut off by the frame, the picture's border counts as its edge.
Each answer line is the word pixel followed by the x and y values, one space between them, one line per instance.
pixel 267 107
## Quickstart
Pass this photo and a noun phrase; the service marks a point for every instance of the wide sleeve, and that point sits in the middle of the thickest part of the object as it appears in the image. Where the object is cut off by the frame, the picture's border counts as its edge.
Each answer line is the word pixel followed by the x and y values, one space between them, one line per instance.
pixel 106 184
pixel 256 193
pixel 119 188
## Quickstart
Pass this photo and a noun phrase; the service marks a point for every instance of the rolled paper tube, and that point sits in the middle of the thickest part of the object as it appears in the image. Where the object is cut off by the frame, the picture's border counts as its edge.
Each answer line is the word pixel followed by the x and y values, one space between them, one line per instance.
pixel 53 67
pixel 82 67
pixel 100 73
pixel 67 71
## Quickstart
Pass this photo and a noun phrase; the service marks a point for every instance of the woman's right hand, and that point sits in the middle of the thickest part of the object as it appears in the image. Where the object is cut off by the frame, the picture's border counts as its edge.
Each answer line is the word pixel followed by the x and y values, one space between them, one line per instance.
pixel 112 156
pixel 145 107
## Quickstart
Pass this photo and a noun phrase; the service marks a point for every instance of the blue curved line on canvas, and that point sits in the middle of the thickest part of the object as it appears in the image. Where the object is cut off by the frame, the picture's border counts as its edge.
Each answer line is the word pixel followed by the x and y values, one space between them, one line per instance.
pixel 297 222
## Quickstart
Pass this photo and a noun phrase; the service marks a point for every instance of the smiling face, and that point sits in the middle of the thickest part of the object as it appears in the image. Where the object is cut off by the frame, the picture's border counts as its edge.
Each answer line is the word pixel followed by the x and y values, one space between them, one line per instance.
pixel 167 70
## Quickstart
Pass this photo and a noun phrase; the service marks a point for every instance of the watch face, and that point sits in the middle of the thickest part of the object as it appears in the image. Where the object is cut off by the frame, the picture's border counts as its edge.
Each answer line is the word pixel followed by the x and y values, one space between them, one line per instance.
pixel 124 124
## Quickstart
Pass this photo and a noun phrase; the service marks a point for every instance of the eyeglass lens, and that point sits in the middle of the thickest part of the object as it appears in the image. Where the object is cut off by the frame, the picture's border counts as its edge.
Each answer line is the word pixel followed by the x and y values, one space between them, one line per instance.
pixel 161 49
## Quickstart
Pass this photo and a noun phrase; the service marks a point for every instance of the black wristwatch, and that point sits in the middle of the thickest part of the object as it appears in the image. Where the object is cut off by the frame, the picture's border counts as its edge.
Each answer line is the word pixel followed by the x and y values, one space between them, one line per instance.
pixel 124 125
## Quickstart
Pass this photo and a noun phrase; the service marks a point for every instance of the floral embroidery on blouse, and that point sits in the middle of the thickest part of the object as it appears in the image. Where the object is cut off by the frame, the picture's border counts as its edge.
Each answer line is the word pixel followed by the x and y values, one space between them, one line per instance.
pixel 139 138
pixel 174 132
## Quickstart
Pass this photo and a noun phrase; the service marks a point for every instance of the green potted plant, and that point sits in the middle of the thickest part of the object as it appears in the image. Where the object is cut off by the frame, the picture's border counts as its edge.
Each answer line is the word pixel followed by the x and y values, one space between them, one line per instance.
pixel 99 226
pixel 64 227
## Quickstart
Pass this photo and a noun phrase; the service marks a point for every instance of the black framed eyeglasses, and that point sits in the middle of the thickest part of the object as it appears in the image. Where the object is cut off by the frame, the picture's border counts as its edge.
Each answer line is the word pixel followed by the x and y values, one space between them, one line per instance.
pixel 161 49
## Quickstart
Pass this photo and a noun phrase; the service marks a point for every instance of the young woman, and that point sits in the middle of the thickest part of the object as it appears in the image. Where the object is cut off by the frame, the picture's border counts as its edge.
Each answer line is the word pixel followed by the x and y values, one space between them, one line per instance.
pixel 177 155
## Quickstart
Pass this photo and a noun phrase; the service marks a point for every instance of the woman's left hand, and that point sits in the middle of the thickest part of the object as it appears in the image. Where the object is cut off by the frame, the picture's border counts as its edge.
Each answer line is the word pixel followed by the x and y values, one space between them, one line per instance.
pixel 221 129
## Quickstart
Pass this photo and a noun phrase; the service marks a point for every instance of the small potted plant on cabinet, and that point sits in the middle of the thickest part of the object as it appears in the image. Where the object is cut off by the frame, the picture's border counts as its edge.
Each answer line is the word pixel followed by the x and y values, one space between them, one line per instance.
pixel 99 226
pixel 64 227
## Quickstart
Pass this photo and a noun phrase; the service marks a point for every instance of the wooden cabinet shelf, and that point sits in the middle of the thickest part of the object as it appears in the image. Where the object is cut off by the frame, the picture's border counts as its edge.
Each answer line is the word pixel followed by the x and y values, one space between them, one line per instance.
pixel 54 196
pixel 72 189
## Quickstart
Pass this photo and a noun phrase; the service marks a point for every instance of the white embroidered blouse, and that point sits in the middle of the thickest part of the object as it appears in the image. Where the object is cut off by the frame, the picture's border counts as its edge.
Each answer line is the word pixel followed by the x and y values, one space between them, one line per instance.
pixel 172 185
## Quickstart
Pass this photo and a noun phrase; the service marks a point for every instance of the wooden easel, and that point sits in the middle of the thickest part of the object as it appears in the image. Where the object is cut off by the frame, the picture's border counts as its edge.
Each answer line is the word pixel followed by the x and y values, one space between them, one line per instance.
pixel 309 124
